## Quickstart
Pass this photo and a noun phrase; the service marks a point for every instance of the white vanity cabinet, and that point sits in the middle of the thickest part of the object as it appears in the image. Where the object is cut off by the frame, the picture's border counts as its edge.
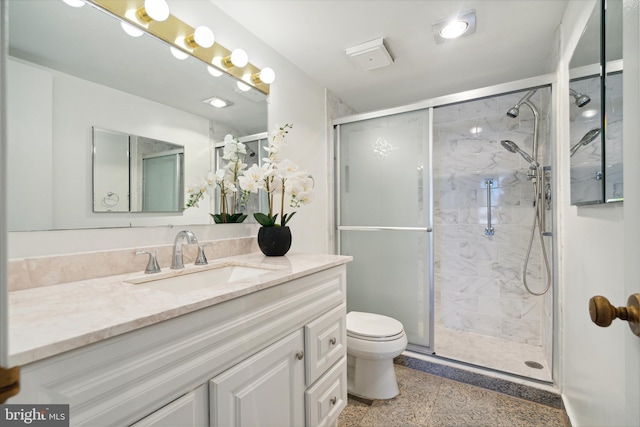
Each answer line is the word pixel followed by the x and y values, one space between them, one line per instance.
pixel 273 357
pixel 192 409
pixel 265 390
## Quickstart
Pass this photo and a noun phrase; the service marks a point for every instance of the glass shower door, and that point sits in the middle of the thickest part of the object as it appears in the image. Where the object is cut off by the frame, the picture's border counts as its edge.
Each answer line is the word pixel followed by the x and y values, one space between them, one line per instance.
pixel 162 182
pixel 384 219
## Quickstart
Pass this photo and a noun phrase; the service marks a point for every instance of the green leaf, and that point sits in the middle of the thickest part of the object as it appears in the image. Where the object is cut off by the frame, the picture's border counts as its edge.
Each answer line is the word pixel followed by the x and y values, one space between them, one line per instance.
pixel 237 217
pixel 217 218
pixel 265 220
pixel 286 218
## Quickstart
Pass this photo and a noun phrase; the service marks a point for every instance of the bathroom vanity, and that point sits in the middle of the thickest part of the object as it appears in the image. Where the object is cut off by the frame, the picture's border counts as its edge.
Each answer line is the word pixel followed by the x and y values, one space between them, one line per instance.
pixel 267 349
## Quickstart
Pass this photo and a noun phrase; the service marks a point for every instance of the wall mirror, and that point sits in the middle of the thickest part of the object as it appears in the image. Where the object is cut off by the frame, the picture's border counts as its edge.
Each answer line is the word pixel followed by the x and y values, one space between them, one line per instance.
pixel 596 109
pixel 133 173
pixel 613 66
pixel 72 69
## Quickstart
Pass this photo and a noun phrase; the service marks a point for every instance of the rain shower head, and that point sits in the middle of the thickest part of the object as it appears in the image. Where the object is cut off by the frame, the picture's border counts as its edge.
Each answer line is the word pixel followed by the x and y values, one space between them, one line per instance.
pixel 586 140
pixel 581 100
pixel 515 110
pixel 512 147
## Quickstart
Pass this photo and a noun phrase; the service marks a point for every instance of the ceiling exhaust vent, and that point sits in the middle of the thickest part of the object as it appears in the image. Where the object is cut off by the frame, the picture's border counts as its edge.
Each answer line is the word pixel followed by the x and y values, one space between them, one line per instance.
pixel 370 55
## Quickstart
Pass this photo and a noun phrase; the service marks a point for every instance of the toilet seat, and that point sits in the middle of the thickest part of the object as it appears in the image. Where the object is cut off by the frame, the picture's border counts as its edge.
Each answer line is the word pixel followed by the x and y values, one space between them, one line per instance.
pixel 373 327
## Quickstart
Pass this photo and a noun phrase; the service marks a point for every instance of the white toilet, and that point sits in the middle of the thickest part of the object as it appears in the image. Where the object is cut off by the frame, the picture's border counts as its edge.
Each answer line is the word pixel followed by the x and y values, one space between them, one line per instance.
pixel 373 341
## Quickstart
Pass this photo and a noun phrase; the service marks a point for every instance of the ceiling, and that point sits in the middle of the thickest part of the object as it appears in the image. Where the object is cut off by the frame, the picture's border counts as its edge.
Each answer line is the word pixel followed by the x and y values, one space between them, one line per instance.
pixel 513 41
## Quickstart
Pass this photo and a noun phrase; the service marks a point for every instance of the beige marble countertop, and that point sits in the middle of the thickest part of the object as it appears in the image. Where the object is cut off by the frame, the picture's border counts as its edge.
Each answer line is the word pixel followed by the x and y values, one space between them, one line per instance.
pixel 50 320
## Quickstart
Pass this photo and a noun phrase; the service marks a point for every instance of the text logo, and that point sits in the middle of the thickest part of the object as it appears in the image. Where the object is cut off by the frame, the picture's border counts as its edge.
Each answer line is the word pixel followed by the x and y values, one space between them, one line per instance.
pixel 34 415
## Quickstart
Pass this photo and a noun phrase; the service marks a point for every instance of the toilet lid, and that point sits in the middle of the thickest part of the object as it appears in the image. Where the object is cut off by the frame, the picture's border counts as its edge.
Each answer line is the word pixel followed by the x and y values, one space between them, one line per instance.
pixel 372 325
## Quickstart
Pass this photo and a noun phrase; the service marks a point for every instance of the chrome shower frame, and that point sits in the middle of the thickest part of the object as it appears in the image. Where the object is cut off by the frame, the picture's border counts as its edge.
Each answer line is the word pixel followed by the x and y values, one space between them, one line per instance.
pixel 548 80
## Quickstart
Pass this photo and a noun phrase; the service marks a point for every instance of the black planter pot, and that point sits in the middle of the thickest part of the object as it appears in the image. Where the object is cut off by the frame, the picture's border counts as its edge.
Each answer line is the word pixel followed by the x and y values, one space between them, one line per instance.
pixel 274 241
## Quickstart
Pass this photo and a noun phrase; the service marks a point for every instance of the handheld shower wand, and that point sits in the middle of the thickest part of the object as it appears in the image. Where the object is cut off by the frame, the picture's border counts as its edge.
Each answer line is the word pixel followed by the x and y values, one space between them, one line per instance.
pixel 586 140
pixel 535 176
pixel 512 147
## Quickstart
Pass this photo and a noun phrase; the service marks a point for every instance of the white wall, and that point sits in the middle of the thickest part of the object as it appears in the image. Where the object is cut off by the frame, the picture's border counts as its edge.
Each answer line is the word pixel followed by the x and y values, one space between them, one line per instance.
pixel 590 262
pixel 295 98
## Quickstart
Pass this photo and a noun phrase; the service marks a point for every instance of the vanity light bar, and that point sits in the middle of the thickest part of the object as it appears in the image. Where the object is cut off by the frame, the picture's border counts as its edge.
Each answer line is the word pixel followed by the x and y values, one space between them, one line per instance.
pixel 173 29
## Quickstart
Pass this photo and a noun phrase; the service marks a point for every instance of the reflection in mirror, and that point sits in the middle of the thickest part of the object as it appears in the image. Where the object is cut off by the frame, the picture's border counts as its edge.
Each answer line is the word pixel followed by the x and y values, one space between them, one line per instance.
pixel 136 174
pixel 73 68
pixel 586 141
pixel 596 159
pixel 613 191
pixel 254 202
pixel 585 126
pixel 110 171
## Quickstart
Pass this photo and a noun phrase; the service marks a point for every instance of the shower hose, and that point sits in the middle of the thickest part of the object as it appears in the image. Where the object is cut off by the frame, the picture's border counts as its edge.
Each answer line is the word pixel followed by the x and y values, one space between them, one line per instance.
pixel 538 206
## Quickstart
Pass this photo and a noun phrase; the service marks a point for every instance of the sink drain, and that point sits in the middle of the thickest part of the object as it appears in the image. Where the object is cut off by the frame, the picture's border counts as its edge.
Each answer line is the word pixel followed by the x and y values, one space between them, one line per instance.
pixel 534 365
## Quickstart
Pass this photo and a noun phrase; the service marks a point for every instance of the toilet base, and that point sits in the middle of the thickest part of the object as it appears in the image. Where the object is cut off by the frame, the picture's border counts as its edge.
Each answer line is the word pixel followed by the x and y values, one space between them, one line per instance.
pixel 371 379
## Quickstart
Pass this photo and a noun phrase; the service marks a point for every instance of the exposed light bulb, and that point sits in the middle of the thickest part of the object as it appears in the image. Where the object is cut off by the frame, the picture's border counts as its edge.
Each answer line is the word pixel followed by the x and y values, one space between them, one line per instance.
pixel 243 86
pixel 454 29
pixel 154 10
pixel 178 54
pixel 204 36
pixel 214 71
pixel 131 30
pixel 238 58
pixel 267 76
pixel 74 3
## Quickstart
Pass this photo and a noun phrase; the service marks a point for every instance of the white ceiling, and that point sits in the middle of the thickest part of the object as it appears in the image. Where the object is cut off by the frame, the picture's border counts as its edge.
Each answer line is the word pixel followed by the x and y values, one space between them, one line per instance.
pixel 513 41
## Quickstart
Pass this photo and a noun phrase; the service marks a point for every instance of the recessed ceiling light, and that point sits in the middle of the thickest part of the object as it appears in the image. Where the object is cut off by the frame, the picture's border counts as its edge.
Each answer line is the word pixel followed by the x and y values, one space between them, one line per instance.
pixel 217 102
pixel 460 25
pixel 454 29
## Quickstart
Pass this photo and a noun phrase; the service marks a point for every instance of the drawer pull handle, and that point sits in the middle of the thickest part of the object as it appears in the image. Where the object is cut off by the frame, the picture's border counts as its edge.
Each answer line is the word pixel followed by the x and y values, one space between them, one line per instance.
pixel 333 400
pixel 300 355
pixel 333 341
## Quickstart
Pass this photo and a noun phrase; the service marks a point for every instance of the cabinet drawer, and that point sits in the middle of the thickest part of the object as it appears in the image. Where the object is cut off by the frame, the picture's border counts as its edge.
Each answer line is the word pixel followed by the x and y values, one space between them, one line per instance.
pixel 325 342
pixel 328 397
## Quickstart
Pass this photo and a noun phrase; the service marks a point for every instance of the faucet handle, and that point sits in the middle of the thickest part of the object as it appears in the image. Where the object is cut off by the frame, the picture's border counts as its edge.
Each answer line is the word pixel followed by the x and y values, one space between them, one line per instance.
pixel 152 265
pixel 201 259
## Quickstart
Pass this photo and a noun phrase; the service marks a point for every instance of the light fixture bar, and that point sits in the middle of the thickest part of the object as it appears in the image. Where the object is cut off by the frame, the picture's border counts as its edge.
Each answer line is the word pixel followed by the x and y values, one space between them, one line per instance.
pixel 173 29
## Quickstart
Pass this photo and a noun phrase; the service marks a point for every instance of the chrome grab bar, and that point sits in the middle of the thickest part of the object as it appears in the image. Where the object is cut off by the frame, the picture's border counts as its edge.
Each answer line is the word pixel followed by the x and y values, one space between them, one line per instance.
pixel 489 228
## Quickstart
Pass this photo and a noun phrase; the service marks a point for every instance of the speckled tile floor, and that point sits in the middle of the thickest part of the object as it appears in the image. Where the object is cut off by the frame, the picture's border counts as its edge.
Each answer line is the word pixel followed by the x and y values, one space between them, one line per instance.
pixel 430 401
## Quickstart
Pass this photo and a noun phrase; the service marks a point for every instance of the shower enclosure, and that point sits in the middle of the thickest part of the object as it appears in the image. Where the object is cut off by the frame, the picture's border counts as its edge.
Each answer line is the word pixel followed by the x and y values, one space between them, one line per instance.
pixel 446 209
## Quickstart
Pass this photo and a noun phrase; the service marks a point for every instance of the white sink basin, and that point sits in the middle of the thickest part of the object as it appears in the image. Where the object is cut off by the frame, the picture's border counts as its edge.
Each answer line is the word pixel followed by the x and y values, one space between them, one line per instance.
pixel 185 281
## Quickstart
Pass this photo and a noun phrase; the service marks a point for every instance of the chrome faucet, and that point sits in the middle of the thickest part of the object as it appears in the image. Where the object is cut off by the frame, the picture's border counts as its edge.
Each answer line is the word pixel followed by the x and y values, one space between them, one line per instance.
pixel 176 258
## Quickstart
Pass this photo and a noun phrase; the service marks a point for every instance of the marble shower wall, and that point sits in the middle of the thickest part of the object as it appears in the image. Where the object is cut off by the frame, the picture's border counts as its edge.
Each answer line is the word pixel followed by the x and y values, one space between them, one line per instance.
pixel 478 286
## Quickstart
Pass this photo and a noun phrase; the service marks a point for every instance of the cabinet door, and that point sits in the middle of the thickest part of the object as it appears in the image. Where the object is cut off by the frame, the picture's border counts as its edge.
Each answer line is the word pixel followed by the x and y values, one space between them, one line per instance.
pixel 192 409
pixel 265 390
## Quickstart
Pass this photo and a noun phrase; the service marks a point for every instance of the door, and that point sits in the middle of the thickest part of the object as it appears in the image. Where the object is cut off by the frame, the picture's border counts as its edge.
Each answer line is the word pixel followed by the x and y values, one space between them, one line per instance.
pixel 162 183
pixel 265 390
pixel 384 219
pixel 631 28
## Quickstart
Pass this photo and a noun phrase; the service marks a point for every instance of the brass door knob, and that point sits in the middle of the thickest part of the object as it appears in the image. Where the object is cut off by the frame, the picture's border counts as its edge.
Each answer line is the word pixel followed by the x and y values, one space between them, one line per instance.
pixel 603 312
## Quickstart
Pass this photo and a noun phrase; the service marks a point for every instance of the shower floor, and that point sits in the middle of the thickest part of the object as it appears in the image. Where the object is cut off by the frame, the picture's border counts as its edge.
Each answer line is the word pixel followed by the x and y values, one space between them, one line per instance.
pixel 490 352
